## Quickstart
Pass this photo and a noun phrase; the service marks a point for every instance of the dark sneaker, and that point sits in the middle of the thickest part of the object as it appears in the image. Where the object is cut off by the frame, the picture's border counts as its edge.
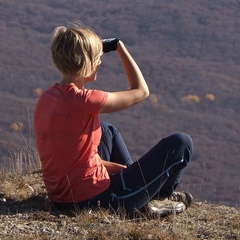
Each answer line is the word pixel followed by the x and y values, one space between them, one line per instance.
pixel 183 197
pixel 165 207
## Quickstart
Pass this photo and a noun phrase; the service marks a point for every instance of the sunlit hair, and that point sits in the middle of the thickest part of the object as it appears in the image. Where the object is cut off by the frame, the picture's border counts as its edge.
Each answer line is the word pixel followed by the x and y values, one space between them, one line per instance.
pixel 76 50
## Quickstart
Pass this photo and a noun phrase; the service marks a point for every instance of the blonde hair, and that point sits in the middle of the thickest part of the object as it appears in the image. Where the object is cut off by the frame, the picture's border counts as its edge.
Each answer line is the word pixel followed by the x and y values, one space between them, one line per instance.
pixel 76 50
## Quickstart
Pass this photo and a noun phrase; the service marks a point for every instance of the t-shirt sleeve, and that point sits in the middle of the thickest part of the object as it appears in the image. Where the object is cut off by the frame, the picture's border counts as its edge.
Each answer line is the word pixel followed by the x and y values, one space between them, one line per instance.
pixel 94 101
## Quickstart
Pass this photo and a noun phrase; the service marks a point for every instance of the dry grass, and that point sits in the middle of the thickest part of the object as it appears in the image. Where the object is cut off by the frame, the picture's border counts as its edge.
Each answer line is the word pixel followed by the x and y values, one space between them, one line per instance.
pixel 26 213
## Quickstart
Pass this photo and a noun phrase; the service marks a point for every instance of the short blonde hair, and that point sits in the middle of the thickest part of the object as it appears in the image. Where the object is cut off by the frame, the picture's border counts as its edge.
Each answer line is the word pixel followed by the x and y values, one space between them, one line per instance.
pixel 76 50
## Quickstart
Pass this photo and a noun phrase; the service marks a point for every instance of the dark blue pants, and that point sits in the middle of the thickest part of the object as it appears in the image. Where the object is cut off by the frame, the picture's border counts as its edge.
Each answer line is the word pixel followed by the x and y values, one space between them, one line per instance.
pixel 112 147
pixel 156 174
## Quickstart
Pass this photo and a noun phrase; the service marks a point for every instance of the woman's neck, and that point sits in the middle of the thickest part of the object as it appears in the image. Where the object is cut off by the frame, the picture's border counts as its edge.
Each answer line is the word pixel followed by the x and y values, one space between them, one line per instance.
pixel 78 82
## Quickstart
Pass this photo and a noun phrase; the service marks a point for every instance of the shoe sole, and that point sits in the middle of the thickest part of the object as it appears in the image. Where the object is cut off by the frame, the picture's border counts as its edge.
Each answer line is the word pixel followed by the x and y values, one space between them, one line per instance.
pixel 163 211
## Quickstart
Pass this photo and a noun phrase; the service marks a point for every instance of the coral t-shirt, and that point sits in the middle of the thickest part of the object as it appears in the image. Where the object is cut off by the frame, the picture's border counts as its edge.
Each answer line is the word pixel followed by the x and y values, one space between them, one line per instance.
pixel 68 132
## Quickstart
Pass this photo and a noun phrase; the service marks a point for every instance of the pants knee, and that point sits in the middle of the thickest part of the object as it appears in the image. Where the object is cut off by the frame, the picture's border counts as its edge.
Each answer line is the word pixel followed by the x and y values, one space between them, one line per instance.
pixel 181 141
pixel 187 142
pixel 185 139
pixel 108 127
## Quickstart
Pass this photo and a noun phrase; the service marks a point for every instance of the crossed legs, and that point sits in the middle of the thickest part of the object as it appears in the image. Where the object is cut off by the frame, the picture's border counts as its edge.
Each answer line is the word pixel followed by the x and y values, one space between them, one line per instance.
pixel 156 174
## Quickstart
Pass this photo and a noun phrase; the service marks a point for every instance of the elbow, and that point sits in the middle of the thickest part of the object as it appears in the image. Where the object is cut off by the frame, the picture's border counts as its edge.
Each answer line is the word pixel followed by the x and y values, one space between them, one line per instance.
pixel 146 93
pixel 140 94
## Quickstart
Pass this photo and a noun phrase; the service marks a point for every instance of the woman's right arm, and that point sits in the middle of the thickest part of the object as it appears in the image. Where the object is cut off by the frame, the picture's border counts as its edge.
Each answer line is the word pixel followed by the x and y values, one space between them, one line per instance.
pixel 138 91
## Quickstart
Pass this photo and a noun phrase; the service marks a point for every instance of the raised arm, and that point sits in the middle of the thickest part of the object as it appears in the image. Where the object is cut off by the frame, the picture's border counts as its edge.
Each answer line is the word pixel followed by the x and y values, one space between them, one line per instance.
pixel 138 90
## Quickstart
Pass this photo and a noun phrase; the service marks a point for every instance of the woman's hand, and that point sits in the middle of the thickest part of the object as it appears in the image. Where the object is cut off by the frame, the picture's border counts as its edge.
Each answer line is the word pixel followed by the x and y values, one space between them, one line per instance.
pixel 113 167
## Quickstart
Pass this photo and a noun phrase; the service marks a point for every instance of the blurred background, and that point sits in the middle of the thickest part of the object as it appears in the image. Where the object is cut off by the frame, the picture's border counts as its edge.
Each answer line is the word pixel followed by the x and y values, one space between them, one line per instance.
pixel 189 53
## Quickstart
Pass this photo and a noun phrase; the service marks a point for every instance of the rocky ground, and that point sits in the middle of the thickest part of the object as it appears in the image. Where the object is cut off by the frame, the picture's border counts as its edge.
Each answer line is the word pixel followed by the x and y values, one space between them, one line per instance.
pixel 26 213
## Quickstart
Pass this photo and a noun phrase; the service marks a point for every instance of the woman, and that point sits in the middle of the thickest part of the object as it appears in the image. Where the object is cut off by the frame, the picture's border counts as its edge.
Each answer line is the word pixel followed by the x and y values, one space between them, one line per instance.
pixel 87 164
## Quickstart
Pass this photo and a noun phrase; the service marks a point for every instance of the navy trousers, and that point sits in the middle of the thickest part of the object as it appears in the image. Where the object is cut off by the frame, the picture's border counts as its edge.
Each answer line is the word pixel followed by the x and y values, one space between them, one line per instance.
pixel 155 175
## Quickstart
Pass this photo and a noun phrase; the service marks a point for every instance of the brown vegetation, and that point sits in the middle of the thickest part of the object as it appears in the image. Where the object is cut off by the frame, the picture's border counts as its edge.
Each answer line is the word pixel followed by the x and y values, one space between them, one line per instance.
pixel 187 51
pixel 26 213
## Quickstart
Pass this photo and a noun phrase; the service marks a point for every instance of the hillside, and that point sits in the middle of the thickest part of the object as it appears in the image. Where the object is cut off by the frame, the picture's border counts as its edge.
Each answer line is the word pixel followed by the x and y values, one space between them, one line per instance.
pixel 189 53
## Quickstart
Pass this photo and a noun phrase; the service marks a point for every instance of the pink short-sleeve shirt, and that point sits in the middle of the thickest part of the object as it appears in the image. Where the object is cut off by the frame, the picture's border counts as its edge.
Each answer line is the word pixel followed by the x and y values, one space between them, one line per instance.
pixel 68 132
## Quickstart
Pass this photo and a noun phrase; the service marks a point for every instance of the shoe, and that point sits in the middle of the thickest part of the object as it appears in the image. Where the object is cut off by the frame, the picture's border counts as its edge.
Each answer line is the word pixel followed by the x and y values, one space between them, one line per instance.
pixel 174 204
pixel 183 197
pixel 165 207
